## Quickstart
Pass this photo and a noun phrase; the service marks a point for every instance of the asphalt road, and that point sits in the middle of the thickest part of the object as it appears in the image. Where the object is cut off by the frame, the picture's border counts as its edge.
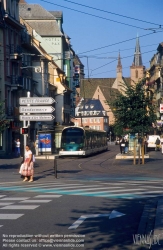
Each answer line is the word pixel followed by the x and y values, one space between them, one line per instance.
pixel 95 203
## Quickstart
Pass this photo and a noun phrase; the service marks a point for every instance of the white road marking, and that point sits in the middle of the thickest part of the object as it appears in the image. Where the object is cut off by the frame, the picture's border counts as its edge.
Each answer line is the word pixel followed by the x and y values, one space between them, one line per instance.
pixel 48 196
pixel 33 201
pixel 113 214
pixel 5 203
pixel 14 198
pixel 20 207
pixel 10 216
pixel 112 191
pixel 2 196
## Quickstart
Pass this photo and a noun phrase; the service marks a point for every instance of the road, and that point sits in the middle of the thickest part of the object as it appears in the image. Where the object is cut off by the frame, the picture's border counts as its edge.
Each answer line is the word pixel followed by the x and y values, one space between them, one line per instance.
pixel 95 203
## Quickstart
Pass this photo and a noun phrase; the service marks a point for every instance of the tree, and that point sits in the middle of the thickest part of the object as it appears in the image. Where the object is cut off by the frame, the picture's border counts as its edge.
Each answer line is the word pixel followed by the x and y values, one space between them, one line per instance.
pixel 133 110
pixel 4 123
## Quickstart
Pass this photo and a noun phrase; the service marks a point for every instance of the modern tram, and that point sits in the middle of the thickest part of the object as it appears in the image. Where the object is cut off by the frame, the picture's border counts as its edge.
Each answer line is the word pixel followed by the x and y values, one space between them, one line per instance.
pixel 82 141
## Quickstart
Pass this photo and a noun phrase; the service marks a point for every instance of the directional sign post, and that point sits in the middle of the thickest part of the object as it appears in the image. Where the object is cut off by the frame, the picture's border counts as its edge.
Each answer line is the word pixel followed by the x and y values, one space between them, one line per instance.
pixel 36 109
pixel 36 100
pixel 36 117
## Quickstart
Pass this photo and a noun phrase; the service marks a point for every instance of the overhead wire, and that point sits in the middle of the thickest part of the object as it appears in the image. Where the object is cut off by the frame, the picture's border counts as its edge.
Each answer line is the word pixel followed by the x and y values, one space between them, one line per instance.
pixel 112 13
pixel 106 46
pixel 93 15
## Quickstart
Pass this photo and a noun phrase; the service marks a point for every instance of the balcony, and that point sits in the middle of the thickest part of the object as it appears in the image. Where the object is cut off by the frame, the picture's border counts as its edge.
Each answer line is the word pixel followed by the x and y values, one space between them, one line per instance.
pixel 16 81
pixel 15 52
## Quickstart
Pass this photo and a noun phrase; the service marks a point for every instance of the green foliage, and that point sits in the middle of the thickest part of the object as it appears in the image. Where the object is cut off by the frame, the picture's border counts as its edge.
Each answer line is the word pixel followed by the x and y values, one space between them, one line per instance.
pixel 133 110
pixel 4 123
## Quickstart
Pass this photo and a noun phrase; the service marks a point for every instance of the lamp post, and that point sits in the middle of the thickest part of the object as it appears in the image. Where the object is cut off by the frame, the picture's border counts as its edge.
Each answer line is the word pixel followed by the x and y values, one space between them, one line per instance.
pixel 110 136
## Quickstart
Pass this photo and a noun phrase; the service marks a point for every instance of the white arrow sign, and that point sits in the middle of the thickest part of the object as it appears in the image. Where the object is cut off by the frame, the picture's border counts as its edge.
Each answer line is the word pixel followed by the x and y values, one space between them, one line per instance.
pixel 113 214
pixel 36 100
pixel 36 117
pixel 36 109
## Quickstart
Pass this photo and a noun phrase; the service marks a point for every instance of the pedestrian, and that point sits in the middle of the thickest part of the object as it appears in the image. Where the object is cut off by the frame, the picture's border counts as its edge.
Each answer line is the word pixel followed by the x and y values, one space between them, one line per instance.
pixel 157 144
pixel 17 148
pixel 126 146
pixel 32 148
pixel 26 168
pixel 161 143
pixel 122 145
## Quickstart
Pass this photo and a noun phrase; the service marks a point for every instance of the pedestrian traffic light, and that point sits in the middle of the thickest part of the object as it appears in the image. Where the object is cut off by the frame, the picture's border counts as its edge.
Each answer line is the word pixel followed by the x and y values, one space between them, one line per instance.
pixel 23 131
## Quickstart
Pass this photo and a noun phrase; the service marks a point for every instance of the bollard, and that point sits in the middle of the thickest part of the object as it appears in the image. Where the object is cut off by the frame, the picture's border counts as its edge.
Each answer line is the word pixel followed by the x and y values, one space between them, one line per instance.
pixel 55 167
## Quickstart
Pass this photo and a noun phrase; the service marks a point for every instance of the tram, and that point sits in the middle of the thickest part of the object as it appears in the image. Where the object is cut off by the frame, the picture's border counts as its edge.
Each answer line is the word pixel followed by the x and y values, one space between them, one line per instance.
pixel 82 141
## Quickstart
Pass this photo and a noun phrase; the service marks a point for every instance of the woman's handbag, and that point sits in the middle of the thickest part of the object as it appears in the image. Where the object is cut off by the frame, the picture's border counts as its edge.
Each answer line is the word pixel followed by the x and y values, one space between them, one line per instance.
pixel 21 169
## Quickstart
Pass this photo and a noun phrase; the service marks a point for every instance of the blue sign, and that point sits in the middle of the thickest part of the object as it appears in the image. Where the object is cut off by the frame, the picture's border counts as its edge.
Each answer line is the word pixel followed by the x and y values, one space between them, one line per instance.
pixel 44 142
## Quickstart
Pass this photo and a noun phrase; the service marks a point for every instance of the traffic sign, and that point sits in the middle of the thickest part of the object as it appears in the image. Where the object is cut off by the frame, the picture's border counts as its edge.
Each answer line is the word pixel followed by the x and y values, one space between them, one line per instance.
pixel 36 109
pixel 36 100
pixel 48 117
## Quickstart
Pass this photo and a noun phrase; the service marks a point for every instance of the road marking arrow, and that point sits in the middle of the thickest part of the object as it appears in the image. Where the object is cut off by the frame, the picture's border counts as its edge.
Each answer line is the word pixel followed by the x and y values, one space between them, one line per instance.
pixel 112 215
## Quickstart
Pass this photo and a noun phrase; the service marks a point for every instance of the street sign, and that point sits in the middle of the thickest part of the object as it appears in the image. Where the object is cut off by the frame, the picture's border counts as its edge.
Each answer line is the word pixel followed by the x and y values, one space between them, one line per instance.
pixel 48 117
pixel 36 109
pixel 36 100
pixel 161 108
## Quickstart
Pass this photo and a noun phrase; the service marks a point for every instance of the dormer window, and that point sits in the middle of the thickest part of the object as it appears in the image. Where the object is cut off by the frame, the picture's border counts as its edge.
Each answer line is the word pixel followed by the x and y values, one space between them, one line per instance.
pixel 91 106
pixel 81 107
pixel 86 106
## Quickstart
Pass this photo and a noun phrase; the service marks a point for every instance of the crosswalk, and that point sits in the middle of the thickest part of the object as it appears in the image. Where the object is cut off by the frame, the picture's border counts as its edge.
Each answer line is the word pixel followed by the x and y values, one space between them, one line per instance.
pixel 21 203
pixel 125 189
pixel 39 193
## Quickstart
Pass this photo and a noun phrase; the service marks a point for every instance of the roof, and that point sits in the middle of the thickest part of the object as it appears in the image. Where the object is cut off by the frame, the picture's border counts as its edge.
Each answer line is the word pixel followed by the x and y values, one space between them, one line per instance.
pixel 34 11
pixel 45 28
pixel 90 105
pixel 88 86
pixel 41 20
pixel 57 14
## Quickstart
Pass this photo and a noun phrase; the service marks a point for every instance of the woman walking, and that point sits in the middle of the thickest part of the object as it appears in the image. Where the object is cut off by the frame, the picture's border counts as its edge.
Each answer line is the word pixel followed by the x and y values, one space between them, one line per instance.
pixel 27 169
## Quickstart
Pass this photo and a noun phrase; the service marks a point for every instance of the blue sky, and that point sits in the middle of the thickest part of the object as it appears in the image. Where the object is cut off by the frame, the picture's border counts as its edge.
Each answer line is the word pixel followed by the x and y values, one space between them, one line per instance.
pixel 98 40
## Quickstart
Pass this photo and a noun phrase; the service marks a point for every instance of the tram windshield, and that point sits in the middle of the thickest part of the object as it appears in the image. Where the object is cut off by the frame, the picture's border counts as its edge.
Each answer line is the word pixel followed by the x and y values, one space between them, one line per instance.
pixel 72 136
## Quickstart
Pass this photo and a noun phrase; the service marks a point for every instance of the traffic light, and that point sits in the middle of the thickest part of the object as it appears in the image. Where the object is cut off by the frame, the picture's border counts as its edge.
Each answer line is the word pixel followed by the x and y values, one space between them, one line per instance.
pixel 23 131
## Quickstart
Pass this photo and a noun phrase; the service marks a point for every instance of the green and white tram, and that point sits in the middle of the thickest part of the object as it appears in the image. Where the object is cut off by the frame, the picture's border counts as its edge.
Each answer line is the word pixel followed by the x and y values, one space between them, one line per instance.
pixel 82 141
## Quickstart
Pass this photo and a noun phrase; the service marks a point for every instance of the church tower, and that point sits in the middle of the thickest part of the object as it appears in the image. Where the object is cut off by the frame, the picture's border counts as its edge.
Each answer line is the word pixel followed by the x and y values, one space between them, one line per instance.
pixel 119 79
pixel 137 69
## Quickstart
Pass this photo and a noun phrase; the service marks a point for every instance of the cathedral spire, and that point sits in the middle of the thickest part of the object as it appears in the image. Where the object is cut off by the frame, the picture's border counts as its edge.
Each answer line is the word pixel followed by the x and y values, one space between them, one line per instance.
pixel 137 55
pixel 119 65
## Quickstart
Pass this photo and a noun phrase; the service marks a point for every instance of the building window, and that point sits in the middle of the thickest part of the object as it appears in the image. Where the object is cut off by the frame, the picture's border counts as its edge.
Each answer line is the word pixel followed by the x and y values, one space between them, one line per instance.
pixel 91 120
pixel 136 73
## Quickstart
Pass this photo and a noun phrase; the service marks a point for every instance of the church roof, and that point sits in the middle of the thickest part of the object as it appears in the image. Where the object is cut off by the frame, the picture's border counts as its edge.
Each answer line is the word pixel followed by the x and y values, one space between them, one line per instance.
pixel 89 86
pixel 137 55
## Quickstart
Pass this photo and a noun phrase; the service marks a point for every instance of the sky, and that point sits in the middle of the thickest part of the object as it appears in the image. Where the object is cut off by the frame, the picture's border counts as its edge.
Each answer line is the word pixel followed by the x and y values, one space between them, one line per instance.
pixel 100 29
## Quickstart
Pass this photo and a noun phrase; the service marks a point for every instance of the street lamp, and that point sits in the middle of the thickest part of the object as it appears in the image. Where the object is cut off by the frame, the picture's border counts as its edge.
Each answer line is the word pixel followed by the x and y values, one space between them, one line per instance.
pixel 110 136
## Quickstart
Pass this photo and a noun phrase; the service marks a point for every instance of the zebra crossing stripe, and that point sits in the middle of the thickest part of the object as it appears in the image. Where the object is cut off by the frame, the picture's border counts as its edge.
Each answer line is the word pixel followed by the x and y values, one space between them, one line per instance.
pixel 10 216
pixel 20 207
pixel 14 198
pixel 33 201
pixel 5 203
pixel 48 196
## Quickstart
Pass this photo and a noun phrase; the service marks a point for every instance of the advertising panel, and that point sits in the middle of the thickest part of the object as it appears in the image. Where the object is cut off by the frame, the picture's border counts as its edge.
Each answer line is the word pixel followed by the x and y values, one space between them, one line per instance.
pixel 44 143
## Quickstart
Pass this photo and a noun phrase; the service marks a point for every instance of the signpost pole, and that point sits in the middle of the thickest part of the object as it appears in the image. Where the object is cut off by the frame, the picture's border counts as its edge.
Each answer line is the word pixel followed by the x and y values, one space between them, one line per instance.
pixel 28 95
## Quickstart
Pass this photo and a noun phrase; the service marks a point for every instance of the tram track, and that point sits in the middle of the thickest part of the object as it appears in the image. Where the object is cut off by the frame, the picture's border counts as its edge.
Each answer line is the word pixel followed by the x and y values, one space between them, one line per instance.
pixel 83 164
